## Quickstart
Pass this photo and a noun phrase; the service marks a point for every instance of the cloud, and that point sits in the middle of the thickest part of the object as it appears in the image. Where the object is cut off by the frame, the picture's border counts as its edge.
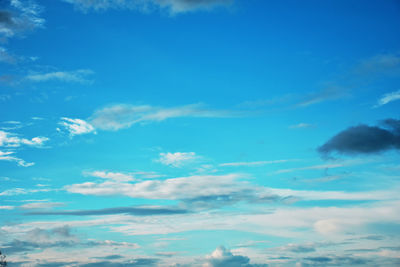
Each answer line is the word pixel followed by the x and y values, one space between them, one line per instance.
pixel 177 159
pixel 8 139
pixel 329 93
pixel 115 176
pixel 172 6
pixel 77 76
pixel 387 98
pixel 77 126
pixel 299 248
pixel 41 205
pixel 222 257
pixel 5 56
pixel 378 64
pixel 301 125
pixel 21 191
pixel 122 116
pixel 254 163
pixel 6 156
pixel 19 18
pixel 136 211
pixel 364 139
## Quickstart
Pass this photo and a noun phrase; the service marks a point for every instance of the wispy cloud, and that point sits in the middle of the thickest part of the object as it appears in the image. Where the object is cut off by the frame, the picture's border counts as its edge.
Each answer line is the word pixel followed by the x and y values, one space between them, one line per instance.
pixel 387 98
pixel 254 163
pixel 114 176
pixel 122 116
pixel 77 76
pixel 300 125
pixel 76 126
pixel 329 93
pixel 172 6
pixel 7 156
pixel 177 159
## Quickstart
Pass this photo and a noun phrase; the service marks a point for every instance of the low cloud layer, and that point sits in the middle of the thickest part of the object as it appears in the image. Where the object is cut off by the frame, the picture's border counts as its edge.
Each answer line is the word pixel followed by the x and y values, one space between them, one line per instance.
pixel 364 139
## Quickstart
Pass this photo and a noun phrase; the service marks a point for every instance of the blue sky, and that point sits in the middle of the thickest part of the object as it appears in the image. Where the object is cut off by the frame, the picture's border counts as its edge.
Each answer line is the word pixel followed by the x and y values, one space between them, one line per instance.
pixel 199 133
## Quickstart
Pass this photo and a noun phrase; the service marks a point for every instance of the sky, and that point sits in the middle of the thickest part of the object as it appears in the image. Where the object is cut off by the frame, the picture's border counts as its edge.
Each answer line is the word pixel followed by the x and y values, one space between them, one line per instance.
pixel 238 133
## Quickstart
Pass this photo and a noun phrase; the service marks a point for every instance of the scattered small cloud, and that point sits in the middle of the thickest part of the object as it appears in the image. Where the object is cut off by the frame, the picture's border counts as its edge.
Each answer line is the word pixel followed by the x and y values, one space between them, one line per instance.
pixel 177 159
pixel 364 139
pixel 77 76
pixel 378 64
pixel 331 92
pixel 387 98
pixel 41 205
pixel 8 139
pixel 77 126
pixel 222 257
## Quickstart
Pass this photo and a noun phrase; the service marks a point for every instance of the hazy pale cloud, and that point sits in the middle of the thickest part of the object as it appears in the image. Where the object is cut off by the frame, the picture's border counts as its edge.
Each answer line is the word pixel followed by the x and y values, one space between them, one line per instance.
pixel 77 76
pixel 122 116
pixel 387 98
pixel 115 176
pixel 172 6
pixel 77 126
pixel 177 159
pixel 300 125
pixel 254 163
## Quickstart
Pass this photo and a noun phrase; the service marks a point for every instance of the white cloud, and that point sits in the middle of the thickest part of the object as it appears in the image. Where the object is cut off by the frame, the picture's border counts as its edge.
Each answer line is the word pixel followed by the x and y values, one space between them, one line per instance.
pixel 177 159
pixel 77 76
pixel 172 6
pixel 21 191
pixel 221 257
pixel 7 156
pixel 122 116
pixel 115 176
pixel 6 207
pixel 77 126
pixel 8 139
pixel 41 205
pixel 174 188
pixel 387 98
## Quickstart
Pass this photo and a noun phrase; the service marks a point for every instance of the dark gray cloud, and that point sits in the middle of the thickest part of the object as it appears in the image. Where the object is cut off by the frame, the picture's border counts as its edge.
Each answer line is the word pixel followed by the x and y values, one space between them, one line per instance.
pixel 6 17
pixel 364 139
pixel 138 211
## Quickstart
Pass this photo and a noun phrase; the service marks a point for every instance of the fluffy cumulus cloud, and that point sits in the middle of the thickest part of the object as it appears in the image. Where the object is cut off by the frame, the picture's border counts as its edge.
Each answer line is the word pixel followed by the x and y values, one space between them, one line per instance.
pixel 222 257
pixel 387 98
pixel 77 126
pixel 172 6
pixel 19 17
pixel 364 139
pixel 177 159
pixel 122 116
pixel 77 76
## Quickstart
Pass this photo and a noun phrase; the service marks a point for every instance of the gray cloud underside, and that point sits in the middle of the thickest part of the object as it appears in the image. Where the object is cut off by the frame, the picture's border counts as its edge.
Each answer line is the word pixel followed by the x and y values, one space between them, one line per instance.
pixel 364 139
pixel 138 211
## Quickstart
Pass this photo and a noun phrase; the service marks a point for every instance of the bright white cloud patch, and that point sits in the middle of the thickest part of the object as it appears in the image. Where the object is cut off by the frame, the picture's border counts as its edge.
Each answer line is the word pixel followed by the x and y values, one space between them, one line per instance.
pixel 122 116
pixel 8 139
pixel 77 126
pixel 387 98
pixel 177 159
pixel 78 76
